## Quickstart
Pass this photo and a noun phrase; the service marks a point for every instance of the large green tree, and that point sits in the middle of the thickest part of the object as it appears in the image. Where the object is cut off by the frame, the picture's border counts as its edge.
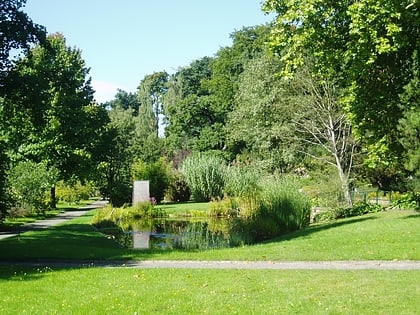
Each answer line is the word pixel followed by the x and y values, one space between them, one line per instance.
pixel 260 128
pixel 48 114
pixel 368 47
pixel 17 32
pixel 201 95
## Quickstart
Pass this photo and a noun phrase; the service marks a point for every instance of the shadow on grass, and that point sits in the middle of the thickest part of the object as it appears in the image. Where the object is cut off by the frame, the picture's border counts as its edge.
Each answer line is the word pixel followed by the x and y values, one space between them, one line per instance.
pixel 317 228
pixel 68 241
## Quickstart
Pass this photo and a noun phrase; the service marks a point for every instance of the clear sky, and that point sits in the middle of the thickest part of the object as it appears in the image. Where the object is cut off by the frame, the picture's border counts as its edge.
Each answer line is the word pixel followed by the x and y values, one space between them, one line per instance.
pixel 124 40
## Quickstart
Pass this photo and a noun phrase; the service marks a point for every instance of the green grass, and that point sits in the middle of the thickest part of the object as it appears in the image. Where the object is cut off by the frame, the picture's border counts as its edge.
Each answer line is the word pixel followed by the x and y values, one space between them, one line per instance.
pixel 183 208
pixel 199 291
pixel 13 222
pixel 386 235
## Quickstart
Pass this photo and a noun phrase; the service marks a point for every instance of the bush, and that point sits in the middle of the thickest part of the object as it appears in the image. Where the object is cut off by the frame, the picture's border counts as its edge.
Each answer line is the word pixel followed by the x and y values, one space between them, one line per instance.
pixel 345 212
pixel 157 173
pixel 30 184
pixel 178 190
pixel 73 192
pixel 409 200
pixel 205 175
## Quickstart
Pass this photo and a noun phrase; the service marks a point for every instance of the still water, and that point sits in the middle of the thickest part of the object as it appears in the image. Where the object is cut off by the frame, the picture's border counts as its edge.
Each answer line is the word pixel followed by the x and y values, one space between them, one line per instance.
pixel 166 234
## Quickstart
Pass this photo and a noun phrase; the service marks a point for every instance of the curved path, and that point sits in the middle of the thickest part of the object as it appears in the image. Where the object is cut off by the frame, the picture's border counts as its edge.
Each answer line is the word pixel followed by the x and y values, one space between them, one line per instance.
pixel 58 219
pixel 192 264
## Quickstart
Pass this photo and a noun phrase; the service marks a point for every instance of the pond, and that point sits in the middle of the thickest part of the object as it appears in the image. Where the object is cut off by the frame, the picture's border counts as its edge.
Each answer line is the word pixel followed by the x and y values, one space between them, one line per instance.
pixel 176 233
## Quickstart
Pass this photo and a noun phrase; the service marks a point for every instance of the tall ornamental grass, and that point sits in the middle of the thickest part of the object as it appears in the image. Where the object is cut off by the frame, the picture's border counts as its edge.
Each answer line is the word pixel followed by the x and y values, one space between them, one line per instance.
pixel 205 176
pixel 278 208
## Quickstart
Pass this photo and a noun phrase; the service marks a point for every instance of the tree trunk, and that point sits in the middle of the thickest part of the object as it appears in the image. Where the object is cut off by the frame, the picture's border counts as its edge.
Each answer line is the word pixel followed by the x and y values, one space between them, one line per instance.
pixel 345 187
pixel 53 202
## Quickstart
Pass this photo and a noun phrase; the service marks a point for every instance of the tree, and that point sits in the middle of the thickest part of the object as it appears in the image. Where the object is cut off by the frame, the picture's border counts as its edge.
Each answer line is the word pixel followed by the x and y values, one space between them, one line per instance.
pixel 17 32
pixel 124 100
pixel 185 115
pixel 48 114
pixel 201 95
pixel 367 47
pixel 323 123
pixel 117 156
pixel 260 127
pixel 149 122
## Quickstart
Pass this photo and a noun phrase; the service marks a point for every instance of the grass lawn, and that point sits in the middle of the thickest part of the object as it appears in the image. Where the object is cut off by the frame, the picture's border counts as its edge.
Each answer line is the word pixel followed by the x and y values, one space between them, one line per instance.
pixel 13 222
pixel 200 291
pixel 387 235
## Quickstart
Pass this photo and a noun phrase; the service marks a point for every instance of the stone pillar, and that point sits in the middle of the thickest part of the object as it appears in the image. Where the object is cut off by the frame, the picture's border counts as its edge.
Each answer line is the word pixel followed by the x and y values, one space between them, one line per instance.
pixel 140 191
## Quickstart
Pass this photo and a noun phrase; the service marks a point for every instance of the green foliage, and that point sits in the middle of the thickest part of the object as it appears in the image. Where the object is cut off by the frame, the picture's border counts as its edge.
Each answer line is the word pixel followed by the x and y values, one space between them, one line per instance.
pixel 157 173
pixel 17 32
pixel 178 190
pixel 73 192
pixel 260 125
pixel 409 200
pixel 205 175
pixel 241 181
pixel 345 212
pixel 370 48
pixel 4 162
pixel 227 207
pixel 48 114
pixel 278 209
pixel 30 183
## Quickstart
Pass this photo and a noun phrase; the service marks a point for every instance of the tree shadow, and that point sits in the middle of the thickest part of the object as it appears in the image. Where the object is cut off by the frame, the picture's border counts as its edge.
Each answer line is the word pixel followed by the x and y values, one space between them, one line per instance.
pixel 318 228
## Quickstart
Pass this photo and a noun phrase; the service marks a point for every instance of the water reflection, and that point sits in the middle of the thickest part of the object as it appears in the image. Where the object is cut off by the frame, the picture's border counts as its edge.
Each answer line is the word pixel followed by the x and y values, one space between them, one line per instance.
pixel 177 234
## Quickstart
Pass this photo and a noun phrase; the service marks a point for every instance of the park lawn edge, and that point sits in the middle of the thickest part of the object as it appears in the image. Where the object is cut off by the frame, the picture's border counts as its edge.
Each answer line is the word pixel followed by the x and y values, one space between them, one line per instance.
pixel 394 238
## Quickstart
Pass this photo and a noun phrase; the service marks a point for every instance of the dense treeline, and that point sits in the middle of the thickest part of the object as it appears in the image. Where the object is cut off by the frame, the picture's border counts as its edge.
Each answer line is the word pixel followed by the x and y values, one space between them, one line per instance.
pixel 318 94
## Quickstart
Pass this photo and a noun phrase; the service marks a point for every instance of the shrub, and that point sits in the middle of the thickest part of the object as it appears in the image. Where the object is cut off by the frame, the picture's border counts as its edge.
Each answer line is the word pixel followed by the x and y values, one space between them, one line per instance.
pixel 228 207
pixel 73 192
pixel 345 212
pixel 205 175
pixel 178 190
pixel 409 200
pixel 157 173
pixel 30 184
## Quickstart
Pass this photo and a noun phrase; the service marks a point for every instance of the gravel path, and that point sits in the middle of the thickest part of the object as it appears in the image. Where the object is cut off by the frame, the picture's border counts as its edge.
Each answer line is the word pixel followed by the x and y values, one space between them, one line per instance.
pixel 191 264
pixel 251 265
pixel 58 219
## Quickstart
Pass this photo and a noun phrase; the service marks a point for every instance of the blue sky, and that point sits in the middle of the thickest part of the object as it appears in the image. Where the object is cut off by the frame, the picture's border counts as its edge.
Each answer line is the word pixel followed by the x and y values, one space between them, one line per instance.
pixel 124 40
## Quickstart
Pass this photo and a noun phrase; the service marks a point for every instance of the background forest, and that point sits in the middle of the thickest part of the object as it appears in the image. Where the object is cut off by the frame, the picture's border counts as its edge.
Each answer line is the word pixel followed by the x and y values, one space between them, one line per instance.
pixel 326 93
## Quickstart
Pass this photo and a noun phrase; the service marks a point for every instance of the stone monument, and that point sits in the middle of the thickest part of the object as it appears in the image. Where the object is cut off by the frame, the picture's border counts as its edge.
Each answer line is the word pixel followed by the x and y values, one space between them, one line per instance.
pixel 141 191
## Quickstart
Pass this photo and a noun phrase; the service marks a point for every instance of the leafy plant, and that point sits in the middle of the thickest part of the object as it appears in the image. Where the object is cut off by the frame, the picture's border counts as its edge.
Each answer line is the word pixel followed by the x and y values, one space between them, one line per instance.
pixel 29 185
pixel 407 201
pixel 73 192
pixel 178 190
pixel 345 212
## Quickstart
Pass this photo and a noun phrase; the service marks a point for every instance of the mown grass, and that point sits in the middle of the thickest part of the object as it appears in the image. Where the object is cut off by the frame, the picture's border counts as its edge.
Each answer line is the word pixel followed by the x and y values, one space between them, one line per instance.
pixel 386 235
pixel 13 222
pixel 200 291
pixel 184 208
